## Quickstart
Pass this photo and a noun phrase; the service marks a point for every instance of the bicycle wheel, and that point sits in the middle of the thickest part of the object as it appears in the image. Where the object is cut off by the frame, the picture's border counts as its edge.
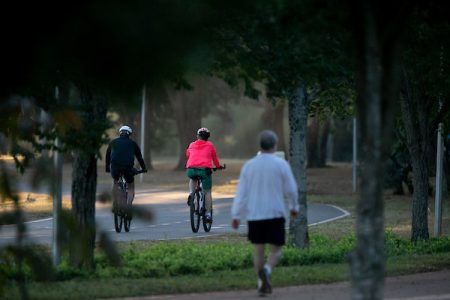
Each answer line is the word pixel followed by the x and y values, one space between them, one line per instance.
pixel 127 223
pixel 207 225
pixel 119 213
pixel 195 211
pixel 118 221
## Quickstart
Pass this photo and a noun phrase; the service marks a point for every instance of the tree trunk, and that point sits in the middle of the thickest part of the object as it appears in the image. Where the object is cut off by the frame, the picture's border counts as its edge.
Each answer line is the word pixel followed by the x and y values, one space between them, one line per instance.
pixel 273 118
pixel 149 131
pixel 298 118
pixel 416 120
pixel 323 142
pixel 84 180
pixel 223 111
pixel 378 56
pixel 188 116
pixel 317 140
pixel 312 143
pixel 447 164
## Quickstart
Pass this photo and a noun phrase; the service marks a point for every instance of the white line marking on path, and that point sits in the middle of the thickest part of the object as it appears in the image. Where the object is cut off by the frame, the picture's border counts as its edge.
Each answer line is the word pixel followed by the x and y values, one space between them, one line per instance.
pixel 345 214
pixel 28 222
pixel 40 220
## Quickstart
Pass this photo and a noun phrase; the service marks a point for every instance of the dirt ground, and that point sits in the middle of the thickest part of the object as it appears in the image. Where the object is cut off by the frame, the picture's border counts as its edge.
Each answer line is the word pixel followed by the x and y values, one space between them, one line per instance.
pixel 422 286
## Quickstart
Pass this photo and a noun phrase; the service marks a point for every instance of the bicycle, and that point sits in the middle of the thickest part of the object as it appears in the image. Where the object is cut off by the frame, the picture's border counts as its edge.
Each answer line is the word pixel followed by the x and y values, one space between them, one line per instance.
pixel 197 209
pixel 122 210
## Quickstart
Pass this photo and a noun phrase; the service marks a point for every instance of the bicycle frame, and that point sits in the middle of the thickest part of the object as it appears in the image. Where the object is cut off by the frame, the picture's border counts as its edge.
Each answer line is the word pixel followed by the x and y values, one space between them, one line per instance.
pixel 122 211
pixel 197 206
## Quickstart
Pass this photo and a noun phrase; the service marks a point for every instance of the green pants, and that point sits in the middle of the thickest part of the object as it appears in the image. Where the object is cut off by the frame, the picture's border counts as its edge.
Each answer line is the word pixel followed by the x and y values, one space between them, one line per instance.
pixel 204 174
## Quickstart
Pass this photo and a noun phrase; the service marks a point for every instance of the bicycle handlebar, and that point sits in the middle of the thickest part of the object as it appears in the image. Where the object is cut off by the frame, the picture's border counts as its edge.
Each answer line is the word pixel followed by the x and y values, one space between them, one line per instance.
pixel 220 168
pixel 136 172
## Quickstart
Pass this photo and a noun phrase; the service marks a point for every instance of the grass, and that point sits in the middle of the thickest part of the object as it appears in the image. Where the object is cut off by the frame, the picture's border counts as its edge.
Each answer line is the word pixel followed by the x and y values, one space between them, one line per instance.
pixel 151 268
pixel 169 267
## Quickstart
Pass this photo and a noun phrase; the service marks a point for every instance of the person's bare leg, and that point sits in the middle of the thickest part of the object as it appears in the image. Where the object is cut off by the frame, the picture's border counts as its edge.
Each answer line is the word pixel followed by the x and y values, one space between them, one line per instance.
pixel 130 193
pixel 258 257
pixel 208 201
pixel 274 257
pixel 192 185
pixel 115 195
pixel 263 283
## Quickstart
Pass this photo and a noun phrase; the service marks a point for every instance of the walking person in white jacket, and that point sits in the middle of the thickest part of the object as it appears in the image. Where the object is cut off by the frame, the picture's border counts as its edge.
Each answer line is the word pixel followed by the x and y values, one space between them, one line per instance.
pixel 264 182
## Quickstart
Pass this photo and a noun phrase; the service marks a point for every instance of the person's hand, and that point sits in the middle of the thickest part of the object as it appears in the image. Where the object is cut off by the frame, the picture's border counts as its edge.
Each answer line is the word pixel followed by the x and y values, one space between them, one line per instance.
pixel 235 223
pixel 294 213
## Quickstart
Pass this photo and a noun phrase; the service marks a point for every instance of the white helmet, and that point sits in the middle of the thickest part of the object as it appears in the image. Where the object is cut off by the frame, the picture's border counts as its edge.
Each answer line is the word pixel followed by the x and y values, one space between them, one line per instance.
pixel 203 129
pixel 126 128
pixel 203 133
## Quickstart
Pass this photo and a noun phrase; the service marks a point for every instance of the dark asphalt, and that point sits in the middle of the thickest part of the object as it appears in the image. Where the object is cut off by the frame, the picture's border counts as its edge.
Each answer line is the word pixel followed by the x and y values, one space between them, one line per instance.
pixel 171 220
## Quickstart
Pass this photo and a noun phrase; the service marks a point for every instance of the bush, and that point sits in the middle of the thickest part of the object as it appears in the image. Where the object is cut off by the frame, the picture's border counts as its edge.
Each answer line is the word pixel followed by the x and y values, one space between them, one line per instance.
pixel 183 258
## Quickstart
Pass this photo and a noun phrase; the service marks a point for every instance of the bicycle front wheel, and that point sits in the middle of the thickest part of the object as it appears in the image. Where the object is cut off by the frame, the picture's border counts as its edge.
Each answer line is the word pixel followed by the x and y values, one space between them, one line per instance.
pixel 118 221
pixel 195 211
pixel 127 223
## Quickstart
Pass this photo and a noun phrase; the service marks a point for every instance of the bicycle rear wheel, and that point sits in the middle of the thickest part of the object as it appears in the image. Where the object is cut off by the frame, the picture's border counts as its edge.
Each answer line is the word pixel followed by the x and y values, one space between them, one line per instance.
pixel 195 211
pixel 119 211
pixel 207 225
pixel 127 219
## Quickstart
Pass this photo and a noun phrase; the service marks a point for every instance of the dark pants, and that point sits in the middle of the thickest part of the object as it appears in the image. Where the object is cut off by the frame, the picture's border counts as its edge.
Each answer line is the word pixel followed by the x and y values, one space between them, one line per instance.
pixel 126 171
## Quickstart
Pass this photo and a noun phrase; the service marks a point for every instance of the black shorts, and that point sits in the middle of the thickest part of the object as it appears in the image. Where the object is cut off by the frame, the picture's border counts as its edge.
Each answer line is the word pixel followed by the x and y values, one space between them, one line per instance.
pixel 127 172
pixel 270 231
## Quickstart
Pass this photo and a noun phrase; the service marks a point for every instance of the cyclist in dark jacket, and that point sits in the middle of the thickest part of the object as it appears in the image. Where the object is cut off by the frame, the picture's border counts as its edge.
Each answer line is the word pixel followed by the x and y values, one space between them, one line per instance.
pixel 120 159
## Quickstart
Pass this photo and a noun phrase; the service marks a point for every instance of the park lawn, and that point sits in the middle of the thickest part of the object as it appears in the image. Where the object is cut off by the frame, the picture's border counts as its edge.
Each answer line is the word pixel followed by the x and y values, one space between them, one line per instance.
pixel 110 282
pixel 397 212
pixel 92 288
pixel 168 267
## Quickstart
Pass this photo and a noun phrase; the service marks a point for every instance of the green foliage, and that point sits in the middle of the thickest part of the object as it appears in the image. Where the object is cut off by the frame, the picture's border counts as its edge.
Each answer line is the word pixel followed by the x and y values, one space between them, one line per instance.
pixel 189 258
pixel 183 266
pixel 284 43
pixel 179 259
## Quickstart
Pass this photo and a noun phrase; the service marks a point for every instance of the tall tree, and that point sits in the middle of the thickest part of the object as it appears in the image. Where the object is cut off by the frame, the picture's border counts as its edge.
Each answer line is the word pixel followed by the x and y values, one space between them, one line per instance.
pixel 289 47
pixel 424 99
pixel 378 27
pixel 116 49
pixel 187 109
pixel 90 137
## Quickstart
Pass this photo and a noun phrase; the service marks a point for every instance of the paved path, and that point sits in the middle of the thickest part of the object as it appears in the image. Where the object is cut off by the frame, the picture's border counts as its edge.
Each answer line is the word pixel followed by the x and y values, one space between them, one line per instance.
pixel 422 286
pixel 171 219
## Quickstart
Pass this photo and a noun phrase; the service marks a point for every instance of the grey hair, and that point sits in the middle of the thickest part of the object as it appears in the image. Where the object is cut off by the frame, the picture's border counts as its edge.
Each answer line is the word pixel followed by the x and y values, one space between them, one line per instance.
pixel 267 139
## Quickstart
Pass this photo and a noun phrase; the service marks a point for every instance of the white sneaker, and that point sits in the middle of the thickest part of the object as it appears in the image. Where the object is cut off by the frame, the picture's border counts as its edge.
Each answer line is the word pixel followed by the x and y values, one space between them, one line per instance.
pixel 264 286
pixel 208 217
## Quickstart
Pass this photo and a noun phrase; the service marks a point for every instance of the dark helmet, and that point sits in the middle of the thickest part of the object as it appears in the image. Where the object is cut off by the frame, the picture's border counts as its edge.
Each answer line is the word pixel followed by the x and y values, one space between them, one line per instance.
pixel 203 133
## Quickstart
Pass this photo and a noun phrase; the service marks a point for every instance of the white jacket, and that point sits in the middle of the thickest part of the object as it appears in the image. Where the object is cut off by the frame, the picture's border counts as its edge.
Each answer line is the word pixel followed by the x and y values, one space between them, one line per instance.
pixel 264 182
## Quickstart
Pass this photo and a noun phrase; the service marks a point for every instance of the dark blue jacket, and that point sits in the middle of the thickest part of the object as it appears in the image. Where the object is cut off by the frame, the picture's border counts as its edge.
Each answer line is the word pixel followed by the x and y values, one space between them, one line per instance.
pixel 121 152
